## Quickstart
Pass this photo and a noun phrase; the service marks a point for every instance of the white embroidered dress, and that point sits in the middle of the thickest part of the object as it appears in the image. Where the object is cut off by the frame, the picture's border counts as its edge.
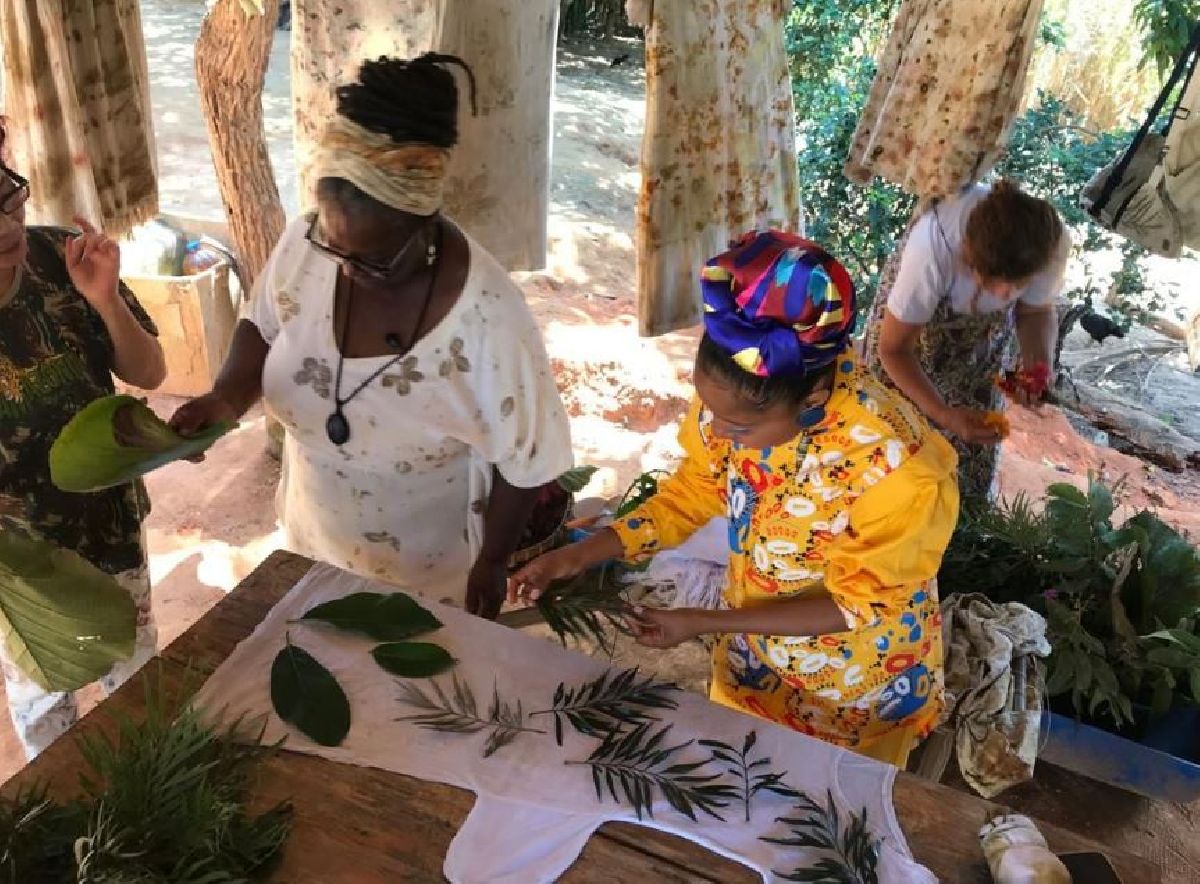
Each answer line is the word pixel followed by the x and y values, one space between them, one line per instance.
pixel 402 501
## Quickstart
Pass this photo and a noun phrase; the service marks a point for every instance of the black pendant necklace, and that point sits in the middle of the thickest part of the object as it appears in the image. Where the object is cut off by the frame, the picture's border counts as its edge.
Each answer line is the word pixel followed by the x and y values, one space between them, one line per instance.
pixel 337 427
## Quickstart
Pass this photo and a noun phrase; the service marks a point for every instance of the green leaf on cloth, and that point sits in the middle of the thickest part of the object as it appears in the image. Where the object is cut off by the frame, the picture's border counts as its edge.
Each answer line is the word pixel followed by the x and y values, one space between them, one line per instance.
pixel 384 617
pixel 117 439
pixel 64 622
pixel 412 659
pixel 306 695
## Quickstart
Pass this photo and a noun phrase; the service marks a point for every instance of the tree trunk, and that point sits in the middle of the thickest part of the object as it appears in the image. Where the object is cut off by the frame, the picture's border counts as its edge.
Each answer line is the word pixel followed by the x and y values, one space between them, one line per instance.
pixel 232 52
pixel 1147 436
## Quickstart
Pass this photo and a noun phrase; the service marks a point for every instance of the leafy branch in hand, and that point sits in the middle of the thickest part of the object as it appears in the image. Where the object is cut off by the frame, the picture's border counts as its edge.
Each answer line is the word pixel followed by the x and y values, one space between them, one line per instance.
pixel 854 853
pixel 636 763
pixel 608 703
pixel 458 713
pixel 585 607
pixel 747 772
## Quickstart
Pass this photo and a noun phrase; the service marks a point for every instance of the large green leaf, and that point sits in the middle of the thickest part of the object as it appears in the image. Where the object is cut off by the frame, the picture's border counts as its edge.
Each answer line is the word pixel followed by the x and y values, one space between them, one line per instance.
pixel 64 622
pixel 116 440
pixel 412 659
pixel 305 694
pixel 384 617
pixel 576 479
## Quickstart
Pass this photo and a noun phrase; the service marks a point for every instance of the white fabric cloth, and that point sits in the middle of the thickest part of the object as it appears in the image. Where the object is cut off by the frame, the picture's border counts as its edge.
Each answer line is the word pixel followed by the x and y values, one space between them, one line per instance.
pixel 693 574
pixel 534 812
pixel 403 500
pixel 931 268
pixel 993 692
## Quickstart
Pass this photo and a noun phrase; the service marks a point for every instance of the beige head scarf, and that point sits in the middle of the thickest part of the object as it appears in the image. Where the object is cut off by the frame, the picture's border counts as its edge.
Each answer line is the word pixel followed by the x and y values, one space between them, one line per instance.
pixel 409 177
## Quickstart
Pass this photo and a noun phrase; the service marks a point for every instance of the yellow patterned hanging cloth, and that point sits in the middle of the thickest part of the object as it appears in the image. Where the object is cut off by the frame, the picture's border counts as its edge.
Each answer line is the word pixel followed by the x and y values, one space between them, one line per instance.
pixel 78 101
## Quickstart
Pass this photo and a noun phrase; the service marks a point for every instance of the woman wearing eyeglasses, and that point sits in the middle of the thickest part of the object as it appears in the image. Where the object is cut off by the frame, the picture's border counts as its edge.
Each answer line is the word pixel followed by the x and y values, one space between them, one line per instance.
pixel 420 411
pixel 67 325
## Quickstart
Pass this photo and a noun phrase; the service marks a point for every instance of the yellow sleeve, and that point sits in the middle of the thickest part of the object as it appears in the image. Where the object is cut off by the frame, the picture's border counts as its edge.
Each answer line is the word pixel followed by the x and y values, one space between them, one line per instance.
pixel 898 533
pixel 686 501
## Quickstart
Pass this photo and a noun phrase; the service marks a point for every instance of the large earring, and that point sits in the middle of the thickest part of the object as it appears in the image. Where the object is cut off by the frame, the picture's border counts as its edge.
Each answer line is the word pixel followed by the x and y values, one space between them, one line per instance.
pixel 811 417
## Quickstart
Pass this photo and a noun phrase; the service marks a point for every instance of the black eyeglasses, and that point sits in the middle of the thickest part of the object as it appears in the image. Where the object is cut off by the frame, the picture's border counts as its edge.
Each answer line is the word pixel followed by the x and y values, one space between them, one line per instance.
pixel 379 271
pixel 16 194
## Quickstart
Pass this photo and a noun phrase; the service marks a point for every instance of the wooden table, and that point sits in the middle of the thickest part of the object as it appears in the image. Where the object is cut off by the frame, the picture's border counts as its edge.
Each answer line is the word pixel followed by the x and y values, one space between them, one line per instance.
pixel 360 825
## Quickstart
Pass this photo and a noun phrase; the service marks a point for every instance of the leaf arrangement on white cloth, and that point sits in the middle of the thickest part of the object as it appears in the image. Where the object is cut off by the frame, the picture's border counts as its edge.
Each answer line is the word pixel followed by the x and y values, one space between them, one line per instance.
pixel 534 812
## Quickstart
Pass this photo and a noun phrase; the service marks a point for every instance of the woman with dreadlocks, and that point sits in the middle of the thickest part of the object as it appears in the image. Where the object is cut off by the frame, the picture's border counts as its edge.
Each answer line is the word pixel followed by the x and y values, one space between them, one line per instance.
pixel 420 413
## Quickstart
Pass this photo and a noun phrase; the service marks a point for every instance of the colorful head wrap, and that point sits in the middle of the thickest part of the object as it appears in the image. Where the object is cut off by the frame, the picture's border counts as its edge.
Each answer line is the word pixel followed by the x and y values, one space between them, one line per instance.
pixel 408 177
pixel 778 304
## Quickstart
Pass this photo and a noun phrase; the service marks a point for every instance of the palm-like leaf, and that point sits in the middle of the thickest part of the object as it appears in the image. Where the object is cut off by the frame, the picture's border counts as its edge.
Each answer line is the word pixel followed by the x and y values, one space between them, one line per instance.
pixel 854 854
pixel 457 712
pixel 586 607
pixel 634 765
pixel 749 774
pixel 609 703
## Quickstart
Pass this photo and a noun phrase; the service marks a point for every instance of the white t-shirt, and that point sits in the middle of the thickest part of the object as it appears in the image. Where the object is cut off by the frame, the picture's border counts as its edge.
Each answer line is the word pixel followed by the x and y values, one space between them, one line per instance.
pixel 930 268
pixel 403 500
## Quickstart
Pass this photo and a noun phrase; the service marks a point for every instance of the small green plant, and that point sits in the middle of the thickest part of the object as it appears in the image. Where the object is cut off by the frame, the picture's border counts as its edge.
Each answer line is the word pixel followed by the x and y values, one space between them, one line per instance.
pixel 749 774
pixel 457 712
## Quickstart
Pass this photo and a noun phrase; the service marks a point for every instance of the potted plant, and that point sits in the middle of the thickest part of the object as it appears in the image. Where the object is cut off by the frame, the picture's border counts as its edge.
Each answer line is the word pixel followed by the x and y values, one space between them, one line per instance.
pixel 1122 603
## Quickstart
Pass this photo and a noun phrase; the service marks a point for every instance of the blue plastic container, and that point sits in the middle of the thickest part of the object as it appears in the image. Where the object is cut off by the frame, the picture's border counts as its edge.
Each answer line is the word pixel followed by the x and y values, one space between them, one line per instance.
pixel 1139 768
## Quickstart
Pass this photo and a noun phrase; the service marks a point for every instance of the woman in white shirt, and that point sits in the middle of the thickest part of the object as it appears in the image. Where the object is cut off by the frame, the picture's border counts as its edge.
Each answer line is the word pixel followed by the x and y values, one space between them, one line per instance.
pixel 973 269
pixel 420 412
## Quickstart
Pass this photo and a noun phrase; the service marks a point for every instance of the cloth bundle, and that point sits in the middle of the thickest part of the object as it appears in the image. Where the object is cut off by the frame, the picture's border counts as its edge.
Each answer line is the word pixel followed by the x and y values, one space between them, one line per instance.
pixel 992 702
pixel 534 813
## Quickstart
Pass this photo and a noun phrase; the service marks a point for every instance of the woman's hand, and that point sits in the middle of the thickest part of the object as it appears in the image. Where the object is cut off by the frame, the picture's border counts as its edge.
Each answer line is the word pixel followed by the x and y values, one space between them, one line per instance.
pixel 969 425
pixel 201 413
pixel 485 588
pixel 94 265
pixel 531 581
pixel 664 628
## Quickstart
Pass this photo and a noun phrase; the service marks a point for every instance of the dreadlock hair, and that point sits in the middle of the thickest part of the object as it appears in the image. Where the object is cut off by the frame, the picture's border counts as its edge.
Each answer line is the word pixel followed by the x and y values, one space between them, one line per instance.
pixel 407 100
pixel 761 393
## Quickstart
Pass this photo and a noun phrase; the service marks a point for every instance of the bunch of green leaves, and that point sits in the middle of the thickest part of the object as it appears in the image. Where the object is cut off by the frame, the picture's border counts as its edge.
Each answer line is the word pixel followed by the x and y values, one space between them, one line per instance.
pixel 307 695
pixel 64 622
pixel 117 439
pixel 852 854
pixel 457 712
pixel 644 487
pixel 1122 601
pixel 164 802
pixel 37 837
pixel 608 703
pixel 635 765
pixel 751 776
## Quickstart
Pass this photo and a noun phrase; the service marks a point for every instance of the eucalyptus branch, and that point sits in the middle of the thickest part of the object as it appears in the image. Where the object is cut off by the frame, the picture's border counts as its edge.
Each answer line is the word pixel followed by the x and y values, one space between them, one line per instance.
pixel 748 773
pixel 609 703
pixel 635 764
pixel 458 713
pixel 852 854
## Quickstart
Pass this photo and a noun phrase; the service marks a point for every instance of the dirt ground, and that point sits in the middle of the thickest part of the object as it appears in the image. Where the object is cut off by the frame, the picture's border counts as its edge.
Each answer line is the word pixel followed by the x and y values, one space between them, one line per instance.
pixel 213 522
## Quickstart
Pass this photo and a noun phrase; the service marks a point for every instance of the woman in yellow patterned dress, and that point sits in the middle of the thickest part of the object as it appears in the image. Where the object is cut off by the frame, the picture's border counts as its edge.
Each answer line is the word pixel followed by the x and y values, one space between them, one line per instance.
pixel 840 499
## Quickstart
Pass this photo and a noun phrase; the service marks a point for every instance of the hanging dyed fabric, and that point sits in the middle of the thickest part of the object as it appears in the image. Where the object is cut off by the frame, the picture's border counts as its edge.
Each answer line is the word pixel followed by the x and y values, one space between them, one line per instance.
pixel 498 184
pixel 719 150
pixel 949 84
pixel 78 99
